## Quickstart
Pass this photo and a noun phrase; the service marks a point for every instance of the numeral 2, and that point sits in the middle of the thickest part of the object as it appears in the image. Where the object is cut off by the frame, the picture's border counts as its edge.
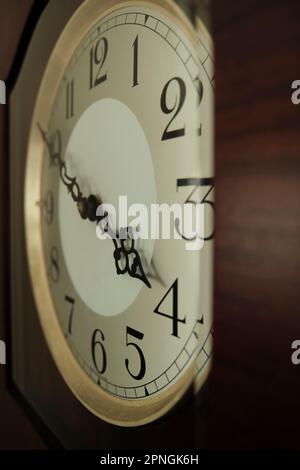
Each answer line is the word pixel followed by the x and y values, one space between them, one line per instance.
pixel 172 134
pixel 200 98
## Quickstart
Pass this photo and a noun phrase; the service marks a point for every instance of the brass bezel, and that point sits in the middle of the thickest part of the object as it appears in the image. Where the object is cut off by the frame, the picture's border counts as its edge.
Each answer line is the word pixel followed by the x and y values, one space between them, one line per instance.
pixel 112 409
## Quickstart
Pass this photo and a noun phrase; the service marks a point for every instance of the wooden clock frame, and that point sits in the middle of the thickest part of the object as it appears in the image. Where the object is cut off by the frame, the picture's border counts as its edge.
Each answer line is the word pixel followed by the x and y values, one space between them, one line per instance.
pixel 34 372
pixel 254 387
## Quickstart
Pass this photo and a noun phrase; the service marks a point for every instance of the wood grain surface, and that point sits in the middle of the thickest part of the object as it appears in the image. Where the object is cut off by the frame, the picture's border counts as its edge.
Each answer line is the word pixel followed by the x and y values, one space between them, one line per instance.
pixel 255 389
pixel 16 430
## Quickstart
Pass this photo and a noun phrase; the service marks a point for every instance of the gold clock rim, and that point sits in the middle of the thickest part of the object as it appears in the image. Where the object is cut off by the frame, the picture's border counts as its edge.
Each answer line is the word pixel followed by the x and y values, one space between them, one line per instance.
pixel 110 408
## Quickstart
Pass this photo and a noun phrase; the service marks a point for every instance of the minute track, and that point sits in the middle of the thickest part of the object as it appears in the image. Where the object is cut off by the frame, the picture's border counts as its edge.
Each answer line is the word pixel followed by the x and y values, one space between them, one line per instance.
pixel 191 349
pixel 150 23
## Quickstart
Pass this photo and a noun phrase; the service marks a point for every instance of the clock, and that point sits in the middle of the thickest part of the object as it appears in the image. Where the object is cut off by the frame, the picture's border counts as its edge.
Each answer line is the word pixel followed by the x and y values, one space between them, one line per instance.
pixel 124 110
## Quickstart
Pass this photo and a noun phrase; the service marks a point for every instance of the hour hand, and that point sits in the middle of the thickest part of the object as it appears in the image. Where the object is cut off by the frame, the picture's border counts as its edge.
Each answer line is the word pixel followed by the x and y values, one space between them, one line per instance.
pixel 128 260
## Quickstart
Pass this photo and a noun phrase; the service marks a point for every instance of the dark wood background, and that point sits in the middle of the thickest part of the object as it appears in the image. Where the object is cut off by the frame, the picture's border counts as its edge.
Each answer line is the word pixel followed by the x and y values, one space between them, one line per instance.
pixel 254 390
pixel 16 430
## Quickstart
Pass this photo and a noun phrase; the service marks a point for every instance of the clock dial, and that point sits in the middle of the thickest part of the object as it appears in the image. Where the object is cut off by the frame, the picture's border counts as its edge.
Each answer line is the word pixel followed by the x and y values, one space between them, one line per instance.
pixel 126 121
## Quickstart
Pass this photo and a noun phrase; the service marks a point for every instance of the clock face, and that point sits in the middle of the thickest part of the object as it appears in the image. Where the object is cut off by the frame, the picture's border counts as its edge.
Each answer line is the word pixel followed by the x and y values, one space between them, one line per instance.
pixel 126 121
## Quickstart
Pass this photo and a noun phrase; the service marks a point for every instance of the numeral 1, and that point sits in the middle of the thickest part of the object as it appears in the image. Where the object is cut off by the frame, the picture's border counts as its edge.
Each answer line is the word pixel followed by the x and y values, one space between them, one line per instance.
pixel 135 61
pixel 175 109
pixel 70 100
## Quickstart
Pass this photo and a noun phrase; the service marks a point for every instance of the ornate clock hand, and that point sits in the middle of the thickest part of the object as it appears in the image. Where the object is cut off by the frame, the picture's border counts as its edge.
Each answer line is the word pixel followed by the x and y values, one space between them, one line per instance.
pixel 87 208
pixel 133 264
pixel 151 270
pixel 71 183
pixel 127 256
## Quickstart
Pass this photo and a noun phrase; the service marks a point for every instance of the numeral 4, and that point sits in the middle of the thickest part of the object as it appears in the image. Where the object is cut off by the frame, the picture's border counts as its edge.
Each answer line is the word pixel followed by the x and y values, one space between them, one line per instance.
pixel 174 316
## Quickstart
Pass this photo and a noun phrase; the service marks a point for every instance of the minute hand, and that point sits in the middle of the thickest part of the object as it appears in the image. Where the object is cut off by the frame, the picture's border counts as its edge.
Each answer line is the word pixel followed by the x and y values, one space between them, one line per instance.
pixel 87 208
pixel 70 182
